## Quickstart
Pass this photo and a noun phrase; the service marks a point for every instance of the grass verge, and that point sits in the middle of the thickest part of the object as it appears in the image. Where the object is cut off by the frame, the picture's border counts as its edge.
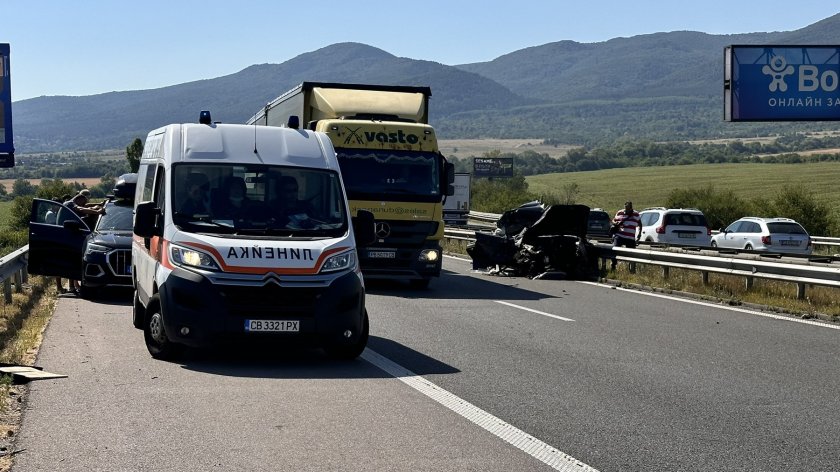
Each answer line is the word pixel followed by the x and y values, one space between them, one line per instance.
pixel 22 324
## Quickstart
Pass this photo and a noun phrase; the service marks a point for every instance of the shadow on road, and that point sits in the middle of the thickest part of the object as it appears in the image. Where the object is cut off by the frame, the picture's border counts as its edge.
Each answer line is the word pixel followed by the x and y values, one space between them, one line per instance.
pixel 301 362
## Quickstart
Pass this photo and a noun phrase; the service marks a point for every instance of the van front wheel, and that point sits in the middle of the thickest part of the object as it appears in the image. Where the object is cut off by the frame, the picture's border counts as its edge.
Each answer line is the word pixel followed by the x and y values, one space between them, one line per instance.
pixel 349 352
pixel 157 342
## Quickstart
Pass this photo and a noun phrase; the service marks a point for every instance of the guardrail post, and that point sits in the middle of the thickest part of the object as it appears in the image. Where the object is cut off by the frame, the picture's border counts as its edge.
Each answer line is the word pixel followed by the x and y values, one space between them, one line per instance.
pixel 800 291
pixel 18 282
pixel 24 273
pixel 7 290
pixel 749 283
pixel 632 267
pixel 666 271
pixel 705 275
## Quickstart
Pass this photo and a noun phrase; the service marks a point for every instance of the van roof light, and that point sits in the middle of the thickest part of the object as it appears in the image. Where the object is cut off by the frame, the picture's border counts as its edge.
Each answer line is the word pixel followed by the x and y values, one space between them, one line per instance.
pixel 204 117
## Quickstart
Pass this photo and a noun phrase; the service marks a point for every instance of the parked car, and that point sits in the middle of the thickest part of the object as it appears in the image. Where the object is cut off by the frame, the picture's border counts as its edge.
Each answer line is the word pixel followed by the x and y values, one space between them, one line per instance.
pixel 64 245
pixel 598 225
pixel 779 235
pixel 678 226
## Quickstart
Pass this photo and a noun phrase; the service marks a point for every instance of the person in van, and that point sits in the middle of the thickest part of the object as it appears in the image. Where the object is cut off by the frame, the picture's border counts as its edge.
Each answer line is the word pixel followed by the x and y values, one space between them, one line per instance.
pixel 195 202
pixel 286 208
pixel 235 204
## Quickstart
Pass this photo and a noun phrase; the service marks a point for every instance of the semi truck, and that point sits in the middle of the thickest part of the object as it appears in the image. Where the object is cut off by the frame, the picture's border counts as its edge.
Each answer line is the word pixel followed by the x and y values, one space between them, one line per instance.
pixel 7 148
pixel 390 164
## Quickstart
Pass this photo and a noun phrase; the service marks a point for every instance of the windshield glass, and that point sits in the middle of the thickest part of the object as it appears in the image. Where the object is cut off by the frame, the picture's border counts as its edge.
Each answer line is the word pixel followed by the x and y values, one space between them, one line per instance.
pixel 258 200
pixel 370 174
pixel 117 217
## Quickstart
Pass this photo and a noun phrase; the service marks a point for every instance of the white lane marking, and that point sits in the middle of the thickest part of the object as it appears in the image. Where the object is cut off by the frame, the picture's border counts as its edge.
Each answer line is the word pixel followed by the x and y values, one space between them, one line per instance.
pixel 505 431
pixel 821 324
pixel 534 311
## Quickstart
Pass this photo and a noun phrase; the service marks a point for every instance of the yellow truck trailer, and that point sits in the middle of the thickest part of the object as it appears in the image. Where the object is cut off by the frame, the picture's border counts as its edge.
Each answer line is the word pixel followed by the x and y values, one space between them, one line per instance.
pixel 390 164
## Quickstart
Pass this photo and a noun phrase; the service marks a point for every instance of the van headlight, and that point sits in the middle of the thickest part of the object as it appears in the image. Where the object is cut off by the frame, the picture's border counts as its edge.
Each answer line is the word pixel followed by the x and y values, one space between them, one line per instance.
pixel 191 258
pixel 345 260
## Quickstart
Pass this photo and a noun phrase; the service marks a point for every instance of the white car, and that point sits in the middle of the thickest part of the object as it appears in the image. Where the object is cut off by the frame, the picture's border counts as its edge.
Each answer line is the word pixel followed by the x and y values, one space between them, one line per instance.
pixel 677 226
pixel 780 235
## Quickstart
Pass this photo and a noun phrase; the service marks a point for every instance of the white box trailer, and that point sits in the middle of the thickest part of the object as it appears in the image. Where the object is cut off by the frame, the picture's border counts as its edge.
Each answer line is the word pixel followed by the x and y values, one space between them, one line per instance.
pixel 456 208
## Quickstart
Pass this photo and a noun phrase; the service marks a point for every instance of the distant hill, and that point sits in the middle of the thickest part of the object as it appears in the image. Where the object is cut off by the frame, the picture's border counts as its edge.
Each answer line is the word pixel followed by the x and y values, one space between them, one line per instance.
pixel 663 86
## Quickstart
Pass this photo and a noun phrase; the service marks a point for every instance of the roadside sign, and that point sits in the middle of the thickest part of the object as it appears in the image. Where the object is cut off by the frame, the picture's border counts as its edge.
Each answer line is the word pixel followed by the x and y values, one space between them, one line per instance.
pixel 781 83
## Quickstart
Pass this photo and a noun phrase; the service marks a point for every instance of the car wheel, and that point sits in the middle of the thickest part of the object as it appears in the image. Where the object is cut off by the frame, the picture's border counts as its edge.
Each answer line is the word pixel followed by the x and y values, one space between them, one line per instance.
pixel 138 312
pixel 349 352
pixel 748 247
pixel 157 342
pixel 714 244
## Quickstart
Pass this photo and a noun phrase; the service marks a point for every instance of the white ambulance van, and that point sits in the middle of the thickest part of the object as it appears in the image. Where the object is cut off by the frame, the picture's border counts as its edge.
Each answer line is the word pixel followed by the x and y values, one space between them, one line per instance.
pixel 244 232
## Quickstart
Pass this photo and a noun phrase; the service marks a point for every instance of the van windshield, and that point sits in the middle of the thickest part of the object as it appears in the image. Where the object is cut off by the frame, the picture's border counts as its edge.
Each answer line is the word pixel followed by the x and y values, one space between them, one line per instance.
pixel 258 200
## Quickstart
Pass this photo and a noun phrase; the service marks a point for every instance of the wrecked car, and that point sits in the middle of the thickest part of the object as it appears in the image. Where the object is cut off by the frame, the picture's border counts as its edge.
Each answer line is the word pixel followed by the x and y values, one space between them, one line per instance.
pixel 538 242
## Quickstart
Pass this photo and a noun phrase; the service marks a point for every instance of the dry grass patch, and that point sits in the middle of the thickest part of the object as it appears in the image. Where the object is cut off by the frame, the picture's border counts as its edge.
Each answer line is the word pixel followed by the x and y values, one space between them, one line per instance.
pixel 732 290
pixel 22 324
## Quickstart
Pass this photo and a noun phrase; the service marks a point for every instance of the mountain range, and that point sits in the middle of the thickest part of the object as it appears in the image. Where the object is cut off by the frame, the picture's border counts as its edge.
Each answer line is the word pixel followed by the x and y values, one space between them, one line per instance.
pixel 662 86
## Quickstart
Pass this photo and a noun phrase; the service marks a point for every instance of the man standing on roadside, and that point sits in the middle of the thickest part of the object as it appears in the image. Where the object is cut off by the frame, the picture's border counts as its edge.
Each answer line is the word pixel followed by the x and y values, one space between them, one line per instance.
pixel 627 223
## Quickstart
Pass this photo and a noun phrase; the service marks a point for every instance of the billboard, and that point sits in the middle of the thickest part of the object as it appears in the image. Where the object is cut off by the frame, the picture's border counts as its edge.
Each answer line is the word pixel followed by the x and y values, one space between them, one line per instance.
pixel 493 167
pixel 781 83
pixel 7 149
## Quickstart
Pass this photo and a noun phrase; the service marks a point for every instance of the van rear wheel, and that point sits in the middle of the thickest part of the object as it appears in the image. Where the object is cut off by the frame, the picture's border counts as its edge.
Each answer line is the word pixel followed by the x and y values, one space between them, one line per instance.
pixel 348 352
pixel 157 342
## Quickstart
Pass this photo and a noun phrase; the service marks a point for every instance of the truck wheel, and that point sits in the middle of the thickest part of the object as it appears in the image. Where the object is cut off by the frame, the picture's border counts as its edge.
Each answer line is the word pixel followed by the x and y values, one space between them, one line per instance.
pixel 419 284
pixel 138 312
pixel 348 352
pixel 158 344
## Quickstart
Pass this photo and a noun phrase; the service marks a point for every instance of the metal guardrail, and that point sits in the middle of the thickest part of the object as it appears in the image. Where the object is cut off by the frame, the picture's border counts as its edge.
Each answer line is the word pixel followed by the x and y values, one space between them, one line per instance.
pixel 13 267
pixel 493 217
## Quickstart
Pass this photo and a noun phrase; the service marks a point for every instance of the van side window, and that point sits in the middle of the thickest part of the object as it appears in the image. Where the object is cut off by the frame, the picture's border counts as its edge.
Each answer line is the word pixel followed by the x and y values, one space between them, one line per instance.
pixel 160 190
pixel 147 180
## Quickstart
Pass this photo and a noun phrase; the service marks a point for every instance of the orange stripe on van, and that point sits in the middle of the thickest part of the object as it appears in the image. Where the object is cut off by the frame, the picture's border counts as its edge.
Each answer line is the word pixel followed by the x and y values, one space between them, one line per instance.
pixel 265 270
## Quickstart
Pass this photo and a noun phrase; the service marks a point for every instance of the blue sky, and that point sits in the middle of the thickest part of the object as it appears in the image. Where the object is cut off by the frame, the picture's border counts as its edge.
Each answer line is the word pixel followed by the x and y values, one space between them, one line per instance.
pixel 86 47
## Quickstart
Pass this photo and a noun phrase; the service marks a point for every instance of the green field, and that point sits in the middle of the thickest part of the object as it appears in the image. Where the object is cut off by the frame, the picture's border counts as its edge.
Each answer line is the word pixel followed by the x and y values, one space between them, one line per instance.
pixel 650 186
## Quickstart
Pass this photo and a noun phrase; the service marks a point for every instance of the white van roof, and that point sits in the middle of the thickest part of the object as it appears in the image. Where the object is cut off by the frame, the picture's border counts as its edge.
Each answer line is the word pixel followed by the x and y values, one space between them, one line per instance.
pixel 250 144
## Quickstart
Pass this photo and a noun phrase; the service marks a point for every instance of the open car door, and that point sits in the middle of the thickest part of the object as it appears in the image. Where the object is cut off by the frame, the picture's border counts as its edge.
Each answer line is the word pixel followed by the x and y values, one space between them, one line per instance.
pixel 56 240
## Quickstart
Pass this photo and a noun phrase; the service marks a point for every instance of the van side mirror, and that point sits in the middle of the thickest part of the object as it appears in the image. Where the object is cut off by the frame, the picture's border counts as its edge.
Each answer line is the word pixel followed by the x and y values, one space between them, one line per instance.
pixel 449 170
pixel 147 220
pixel 363 228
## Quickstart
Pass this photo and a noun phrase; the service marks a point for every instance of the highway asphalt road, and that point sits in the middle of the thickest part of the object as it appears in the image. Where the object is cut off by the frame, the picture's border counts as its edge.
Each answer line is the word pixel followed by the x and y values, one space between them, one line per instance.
pixel 477 373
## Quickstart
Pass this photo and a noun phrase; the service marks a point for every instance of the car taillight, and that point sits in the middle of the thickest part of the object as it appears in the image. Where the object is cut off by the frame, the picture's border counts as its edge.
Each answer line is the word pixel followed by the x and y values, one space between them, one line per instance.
pixel 766 240
pixel 660 229
pixel 708 231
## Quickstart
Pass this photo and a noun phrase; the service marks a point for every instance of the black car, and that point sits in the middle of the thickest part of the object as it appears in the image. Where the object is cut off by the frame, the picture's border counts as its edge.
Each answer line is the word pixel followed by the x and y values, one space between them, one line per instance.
pixel 62 244
pixel 598 226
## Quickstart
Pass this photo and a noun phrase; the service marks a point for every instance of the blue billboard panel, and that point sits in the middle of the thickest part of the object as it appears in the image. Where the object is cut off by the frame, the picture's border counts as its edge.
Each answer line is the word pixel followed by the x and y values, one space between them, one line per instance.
pixel 7 149
pixel 781 83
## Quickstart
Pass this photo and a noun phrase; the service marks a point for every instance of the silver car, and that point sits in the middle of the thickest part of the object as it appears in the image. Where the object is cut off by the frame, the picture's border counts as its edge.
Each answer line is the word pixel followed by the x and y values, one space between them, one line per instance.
pixel 779 235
